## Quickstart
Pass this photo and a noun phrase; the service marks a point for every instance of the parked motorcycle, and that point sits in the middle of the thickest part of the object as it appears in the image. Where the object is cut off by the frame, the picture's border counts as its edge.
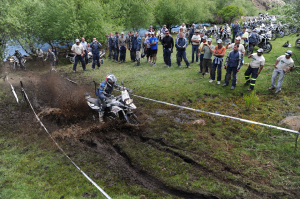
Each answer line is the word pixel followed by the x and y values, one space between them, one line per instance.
pixel 224 34
pixel 263 42
pixel 119 107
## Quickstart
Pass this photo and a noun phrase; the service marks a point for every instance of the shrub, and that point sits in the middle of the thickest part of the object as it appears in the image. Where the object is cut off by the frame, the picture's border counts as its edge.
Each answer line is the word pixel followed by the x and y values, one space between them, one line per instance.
pixel 250 100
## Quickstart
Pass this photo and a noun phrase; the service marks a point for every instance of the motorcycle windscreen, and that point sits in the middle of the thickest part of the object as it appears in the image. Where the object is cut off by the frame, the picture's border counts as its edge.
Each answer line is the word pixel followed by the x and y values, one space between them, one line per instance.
pixel 125 95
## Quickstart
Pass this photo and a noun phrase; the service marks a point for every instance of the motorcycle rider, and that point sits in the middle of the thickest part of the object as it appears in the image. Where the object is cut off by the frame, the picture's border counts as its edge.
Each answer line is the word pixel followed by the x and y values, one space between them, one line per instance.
pixel 137 47
pixel 95 45
pixel 104 90
pixel 256 65
pixel 18 55
pixel 168 44
pixel 116 47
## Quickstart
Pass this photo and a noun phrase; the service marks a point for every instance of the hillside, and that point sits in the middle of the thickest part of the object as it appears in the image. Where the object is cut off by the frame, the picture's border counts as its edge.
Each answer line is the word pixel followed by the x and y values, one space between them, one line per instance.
pixel 267 4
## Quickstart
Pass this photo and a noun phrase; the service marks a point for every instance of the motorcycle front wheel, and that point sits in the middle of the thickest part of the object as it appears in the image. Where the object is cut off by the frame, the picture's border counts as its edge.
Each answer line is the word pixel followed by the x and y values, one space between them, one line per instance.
pixel 274 36
pixel 267 47
pixel 286 32
pixel 132 119
pixel 280 34
pixel 72 60
pixel 297 42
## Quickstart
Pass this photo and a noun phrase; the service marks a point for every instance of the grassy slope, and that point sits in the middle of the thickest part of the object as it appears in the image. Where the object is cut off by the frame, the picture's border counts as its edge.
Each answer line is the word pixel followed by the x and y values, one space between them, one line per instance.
pixel 244 147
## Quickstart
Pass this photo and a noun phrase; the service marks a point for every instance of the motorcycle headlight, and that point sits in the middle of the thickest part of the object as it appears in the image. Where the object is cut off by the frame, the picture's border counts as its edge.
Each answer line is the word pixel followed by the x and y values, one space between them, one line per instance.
pixel 128 101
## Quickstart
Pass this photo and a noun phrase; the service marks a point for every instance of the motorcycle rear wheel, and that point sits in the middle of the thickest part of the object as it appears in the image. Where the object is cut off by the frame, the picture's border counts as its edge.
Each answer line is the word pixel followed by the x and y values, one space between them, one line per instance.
pixel 267 48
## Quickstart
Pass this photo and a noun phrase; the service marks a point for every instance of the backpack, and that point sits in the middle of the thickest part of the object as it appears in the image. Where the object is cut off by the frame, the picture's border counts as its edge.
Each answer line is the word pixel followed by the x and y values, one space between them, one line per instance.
pixel 253 38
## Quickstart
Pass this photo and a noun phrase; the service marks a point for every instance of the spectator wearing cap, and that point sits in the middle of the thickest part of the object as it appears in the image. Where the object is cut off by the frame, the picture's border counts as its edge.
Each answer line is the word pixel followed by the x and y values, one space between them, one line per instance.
pixel 122 47
pixel 233 63
pixel 235 30
pixel 284 64
pixel 244 36
pixel 95 46
pixel 40 56
pixel 219 53
pixel 208 50
pixel 84 44
pixel 237 41
pixel 154 46
pixel 204 38
pixel 78 49
pixel 148 47
pixel 192 32
pixel 168 45
pixel 116 47
pixel 110 45
pixel 256 65
pixel 181 44
pixel 195 45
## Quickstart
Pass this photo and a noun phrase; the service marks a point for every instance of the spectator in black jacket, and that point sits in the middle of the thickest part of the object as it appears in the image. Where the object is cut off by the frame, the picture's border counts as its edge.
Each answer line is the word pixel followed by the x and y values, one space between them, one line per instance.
pixel 168 44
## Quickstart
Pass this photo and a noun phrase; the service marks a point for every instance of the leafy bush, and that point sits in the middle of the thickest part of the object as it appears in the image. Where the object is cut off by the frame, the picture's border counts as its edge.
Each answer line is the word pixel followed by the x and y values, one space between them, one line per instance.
pixel 250 100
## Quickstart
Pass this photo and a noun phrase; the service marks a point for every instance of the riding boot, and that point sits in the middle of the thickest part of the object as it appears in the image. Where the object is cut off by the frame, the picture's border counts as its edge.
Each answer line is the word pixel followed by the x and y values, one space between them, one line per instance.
pixel 101 114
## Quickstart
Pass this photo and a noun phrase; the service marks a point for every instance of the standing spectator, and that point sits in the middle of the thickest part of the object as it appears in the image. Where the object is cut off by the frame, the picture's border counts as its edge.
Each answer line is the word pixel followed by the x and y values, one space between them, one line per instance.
pixel 116 47
pixel 244 36
pixel 148 47
pixel 256 65
pixel 78 49
pixel 237 41
pixel 178 35
pixel 151 29
pixel 181 44
pixel 40 55
pixel 89 47
pixel 283 64
pixel 122 47
pixel 168 45
pixel 219 53
pixel 95 46
pixel 55 53
pixel 233 63
pixel 253 39
pixel 204 38
pixel 110 45
pixel 51 56
pixel 107 42
pixel 195 42
pixel 137 46
pixel 84 44
pixel 130 46
pixel 208 50
pixel 192 32
pixel 184 28
pixel 154 46
pixel 163 30
pixel 236 30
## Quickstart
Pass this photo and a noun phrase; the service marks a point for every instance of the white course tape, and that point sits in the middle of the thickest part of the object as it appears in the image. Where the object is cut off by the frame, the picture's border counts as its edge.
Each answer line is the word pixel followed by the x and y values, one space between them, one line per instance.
pixel 12 89
pixel 38 119
pixel 220 115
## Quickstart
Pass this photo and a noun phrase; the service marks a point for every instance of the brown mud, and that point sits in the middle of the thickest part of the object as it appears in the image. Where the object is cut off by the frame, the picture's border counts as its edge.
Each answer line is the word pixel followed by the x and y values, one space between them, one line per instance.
pixel 63 110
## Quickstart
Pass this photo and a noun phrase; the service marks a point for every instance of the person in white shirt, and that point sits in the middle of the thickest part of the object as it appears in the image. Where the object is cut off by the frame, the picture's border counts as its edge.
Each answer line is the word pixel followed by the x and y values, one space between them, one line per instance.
pixel 195 45
pixel 40 55
pixel 284 64
pixel 256 65
pixel 78 49
pixel 183 27
pixel 85 47
pixel 237 41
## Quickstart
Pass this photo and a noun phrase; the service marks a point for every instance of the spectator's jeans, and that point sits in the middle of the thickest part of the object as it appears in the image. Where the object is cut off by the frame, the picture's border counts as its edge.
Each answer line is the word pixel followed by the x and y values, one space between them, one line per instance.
pixel 86 57
pixel 77 58
pixel 205 65
pixel 253 73
pixel 122 53
pixel 280 79
pixel 96 59
pixel 233 36
pixel 195 49
pixel 167 56
pixel 227 76
pixel 132 54
pixel 116 54
pixel 213 71
pixel 110 55
pixel 182 54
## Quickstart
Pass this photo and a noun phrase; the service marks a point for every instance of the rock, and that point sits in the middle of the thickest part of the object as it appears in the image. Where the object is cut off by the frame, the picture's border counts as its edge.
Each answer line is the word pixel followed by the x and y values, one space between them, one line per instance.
pixel 143 197
pixel 200 121
pixel 293 122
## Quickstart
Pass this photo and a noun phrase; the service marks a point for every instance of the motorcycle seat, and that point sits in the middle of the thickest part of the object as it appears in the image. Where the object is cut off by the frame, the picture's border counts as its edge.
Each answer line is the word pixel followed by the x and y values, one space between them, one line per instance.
pixel 92 100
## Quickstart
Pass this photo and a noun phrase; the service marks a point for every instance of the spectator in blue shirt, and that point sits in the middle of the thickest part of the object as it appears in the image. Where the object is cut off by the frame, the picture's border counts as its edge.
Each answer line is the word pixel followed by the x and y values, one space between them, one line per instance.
pixel 235 30
pixel 154 46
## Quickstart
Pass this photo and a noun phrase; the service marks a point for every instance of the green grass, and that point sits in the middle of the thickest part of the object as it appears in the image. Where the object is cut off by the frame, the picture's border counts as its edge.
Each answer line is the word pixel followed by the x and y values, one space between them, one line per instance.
pixel 264 163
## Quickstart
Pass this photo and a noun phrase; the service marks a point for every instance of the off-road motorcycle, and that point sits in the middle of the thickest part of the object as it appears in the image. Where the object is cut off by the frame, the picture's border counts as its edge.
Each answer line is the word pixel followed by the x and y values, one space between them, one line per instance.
pixel 14 63
pixel 263 42
pixel 224 34
pixel 119 107
pixel 71 56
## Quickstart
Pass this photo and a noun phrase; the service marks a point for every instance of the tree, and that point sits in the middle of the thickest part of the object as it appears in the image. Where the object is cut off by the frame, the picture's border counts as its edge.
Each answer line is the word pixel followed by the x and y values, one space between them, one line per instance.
pixel 229 13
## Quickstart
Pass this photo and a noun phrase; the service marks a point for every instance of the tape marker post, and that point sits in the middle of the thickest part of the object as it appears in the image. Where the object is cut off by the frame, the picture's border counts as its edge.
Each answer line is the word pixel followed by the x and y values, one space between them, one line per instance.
pixel 12 89
pixel 87 177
